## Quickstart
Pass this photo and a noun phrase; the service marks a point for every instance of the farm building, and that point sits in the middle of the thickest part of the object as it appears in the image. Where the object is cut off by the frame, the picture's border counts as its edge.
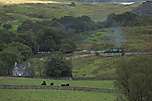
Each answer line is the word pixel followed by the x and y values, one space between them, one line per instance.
pixel 21 70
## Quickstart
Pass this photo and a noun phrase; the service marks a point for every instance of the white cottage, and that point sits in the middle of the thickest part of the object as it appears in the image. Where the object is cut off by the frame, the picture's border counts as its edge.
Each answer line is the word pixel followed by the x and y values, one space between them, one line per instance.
pixel 21 70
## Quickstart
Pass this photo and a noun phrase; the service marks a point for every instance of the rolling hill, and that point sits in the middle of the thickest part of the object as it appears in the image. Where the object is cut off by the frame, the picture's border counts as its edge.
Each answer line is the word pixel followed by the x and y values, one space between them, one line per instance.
pixel 136 38
pixel 32 1
pixel 144 9
pixel 110 0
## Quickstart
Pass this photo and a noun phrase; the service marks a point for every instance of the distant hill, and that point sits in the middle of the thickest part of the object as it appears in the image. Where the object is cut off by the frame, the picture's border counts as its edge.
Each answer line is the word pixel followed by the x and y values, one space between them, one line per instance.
pixel 33 1
pixel 144 9
pixel 110 0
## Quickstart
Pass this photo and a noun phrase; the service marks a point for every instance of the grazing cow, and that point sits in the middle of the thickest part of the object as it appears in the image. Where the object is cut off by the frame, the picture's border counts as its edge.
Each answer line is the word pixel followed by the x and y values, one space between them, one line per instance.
pixel 63 85
pixel 51 84
pixel 43 83
pixel 67 85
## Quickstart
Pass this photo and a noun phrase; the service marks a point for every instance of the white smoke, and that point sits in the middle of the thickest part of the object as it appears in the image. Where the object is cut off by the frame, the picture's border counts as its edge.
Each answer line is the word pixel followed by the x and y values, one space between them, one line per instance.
pixel 115 37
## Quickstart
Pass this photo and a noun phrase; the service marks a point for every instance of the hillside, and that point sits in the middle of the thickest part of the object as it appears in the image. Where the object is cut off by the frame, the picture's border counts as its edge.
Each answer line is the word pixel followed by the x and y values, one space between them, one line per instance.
pixel 19 13
pixel 75 50
pixel 144 9
pixel 29 22
pixel 8 2
pixel 110 0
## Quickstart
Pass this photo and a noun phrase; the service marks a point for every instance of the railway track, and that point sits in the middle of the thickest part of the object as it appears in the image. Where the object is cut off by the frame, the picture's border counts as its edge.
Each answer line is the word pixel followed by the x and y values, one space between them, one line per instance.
pixel 83 55
pixel 126 54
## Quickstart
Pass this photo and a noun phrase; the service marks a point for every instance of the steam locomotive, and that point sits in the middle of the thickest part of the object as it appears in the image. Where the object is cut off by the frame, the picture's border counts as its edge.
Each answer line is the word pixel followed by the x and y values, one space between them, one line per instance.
pixel 114 51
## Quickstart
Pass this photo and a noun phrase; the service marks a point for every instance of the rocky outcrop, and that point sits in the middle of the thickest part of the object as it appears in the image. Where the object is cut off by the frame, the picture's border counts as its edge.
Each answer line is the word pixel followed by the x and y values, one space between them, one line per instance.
pixel 110 0
pixel 145 9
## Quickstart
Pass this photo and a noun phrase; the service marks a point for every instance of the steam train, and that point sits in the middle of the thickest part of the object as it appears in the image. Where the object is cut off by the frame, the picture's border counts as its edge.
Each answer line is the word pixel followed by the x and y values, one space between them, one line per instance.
pixel 114 51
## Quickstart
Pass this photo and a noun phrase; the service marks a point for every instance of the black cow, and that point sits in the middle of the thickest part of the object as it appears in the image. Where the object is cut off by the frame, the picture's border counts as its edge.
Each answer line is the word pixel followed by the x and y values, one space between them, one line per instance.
pixel 43 83
pixel 51 84
pixel 65 85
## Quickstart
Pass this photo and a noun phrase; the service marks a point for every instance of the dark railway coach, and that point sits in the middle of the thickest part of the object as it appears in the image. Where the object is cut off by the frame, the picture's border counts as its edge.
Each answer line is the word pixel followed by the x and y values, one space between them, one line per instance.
pixel 115 51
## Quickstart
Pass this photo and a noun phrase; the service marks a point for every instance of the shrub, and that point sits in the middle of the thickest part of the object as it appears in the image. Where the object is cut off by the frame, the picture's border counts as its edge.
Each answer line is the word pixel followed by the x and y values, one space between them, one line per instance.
pixel 58 67
pixel 134 79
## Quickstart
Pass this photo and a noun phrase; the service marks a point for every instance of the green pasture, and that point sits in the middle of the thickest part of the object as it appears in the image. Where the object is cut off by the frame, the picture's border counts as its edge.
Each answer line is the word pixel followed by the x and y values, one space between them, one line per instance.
pixel 53 95
pixel 76 83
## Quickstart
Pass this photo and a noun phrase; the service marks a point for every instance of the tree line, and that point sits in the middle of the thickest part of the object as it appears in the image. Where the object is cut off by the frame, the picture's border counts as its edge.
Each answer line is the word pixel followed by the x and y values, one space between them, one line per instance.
pixel 126 19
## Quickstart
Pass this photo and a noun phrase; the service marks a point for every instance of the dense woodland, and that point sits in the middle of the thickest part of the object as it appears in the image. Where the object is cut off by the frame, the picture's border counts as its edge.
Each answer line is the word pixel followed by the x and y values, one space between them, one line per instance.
pixel 33 37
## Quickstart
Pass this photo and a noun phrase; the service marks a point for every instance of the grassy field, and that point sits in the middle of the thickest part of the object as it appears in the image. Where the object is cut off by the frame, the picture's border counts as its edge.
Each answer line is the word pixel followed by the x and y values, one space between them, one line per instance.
pixel 52 95
pixel 77 83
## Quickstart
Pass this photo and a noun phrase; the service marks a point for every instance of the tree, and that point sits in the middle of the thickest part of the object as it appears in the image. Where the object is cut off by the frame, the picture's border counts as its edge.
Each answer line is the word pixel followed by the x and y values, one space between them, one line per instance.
pixel 72 4
pixel 29 26
pixel 2 68
pixel 134 79
pixel 2 46
pixel 28 39
pixel 125 19
pixel 74 24
pixel 67 46
pixel 6 36
pixel 58 67
pixel 37 66
pixel 48 40
pixel 7 26
pixel 11 53
pixel 7 59
pixel 24 50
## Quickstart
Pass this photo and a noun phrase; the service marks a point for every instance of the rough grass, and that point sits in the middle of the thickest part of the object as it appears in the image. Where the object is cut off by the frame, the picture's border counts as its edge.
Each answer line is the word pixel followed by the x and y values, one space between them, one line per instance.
pixel 98 67
pixel 139 38
pixel 136 38
pixel 16 14
pixel 92 67
pixel 95 67
pixel 76 83
pixel 52 95
pixel 49 11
